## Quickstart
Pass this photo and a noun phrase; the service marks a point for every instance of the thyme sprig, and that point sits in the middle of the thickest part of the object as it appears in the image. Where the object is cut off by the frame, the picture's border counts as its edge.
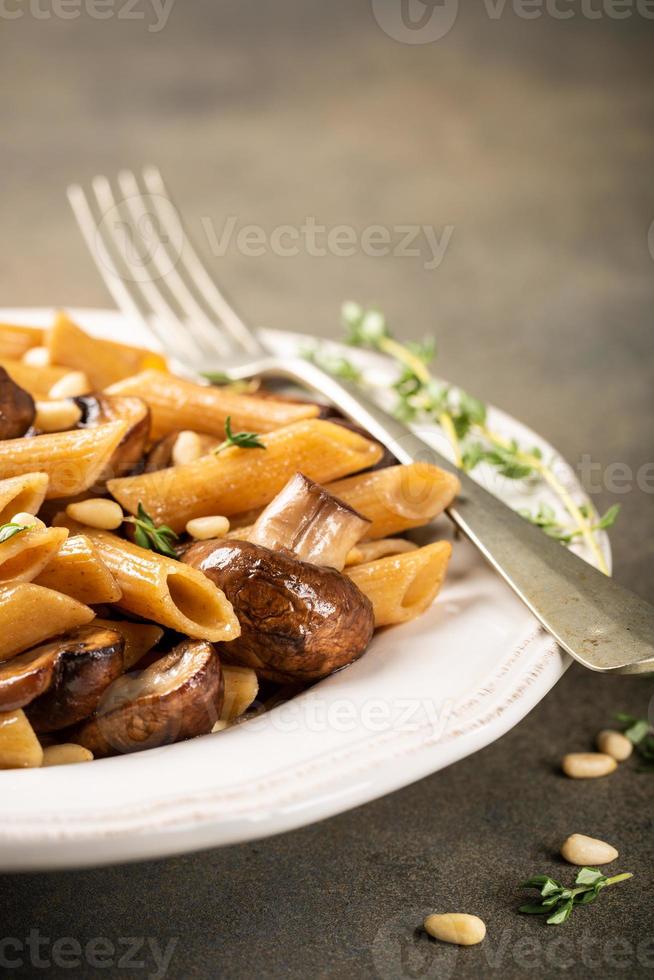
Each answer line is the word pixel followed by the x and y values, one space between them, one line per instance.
pixel 545 518
pixel 246 440
pixel 155 537
pixel 464 421
pixel 558 902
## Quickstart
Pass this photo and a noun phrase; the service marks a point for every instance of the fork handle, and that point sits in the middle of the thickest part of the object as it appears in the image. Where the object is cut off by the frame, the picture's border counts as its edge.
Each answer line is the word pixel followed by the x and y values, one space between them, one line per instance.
pixel 602 625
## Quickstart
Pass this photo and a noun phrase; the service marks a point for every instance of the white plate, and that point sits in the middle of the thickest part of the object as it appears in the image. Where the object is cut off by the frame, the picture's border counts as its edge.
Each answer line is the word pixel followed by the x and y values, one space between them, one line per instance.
pixel 425 695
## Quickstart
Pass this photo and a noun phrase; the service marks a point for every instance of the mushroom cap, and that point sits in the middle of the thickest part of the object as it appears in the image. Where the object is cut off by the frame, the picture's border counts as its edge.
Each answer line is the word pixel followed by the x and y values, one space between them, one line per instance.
pixel 175 698
pixel 61 682
pixel 299 621
pixel 99 408
pixel 17 408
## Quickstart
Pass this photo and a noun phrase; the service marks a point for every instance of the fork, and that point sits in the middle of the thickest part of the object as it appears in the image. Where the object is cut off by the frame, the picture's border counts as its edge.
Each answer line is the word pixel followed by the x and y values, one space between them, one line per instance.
pixel 156 277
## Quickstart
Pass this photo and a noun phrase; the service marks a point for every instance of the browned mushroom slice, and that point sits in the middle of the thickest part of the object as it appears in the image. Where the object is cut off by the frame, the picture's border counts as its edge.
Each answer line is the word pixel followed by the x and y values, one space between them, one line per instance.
pixel 17 409
pixel 175 698
pixel 98 409
pixel 309 521
pixel 298 621
pixel 61 682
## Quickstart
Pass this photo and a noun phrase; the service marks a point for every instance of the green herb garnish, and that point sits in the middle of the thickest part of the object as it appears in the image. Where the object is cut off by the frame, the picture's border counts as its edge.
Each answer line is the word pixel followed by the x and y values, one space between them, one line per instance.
pixel 545 518
pixel 463 419
pixel 245 440
pixel 558 902
pixel 147 534
pixel 9 529
pixel 639 732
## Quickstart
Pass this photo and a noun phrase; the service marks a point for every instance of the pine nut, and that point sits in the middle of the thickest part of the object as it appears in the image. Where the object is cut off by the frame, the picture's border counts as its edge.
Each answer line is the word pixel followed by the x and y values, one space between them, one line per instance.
pixel 456 927
pixel 27 520
pixel 203 528
pixel 73 383
pixel 220 725
pixel 63 755
pixel 186 448
pixel 56 416
pixel 588 765
pixel 614 744
pixel 587 851
pixel 37 356
pixel 98 512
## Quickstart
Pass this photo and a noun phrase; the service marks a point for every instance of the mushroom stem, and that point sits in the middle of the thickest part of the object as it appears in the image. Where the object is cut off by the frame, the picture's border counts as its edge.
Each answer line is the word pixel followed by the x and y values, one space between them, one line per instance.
pixel 310 522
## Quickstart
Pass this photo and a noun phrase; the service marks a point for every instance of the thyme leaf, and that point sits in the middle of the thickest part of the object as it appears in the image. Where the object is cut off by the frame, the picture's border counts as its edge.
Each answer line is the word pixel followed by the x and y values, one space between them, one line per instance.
pixel 155 537
pixel 246 440
pixel 9 529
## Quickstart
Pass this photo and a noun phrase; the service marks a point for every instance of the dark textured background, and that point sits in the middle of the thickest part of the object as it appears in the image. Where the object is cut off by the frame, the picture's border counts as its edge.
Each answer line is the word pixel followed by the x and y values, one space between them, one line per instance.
pixel 533 139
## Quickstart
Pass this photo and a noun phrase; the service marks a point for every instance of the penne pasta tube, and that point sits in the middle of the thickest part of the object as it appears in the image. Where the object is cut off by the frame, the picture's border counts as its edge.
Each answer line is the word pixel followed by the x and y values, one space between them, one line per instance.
pixel 24 555
pixel 397 498
pixel 179 404
pixel 372 550
pixel 403 586
pixel 239 479
pixel 30 614
pixel 72 460
pixel 139 638
pixel 37 380
pixel 22 495
pixel 103 361
pixel 78 571
pixel 19 746
pixel 166 591
pixel 394 499
pixel 16 339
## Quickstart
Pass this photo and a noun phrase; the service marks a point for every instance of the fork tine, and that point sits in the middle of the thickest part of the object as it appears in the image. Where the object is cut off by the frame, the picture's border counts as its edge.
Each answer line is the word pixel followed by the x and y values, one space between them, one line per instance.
pixel 102 256
pixel 164 320
pixel 196 271
pixel 165 255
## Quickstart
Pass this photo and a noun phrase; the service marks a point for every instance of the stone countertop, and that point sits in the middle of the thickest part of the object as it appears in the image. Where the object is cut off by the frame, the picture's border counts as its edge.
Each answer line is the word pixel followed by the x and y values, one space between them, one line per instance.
pixel 523 147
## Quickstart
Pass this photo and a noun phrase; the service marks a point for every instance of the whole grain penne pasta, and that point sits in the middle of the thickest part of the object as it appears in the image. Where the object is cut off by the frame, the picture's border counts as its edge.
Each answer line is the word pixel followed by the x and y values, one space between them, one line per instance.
pixel 72 460
pixel 30 614
pixel 401 587
pixel 78 571
pixel 372 550
pixel 15 339
pixel 238 479
pixel 397 498
pixel 166 591
pixel 24 555
pixel 19 746
pixel 102 361
pixel 179 404
pixel 139 638
pixel 37 380
pixel 394 499
pixel 22 495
